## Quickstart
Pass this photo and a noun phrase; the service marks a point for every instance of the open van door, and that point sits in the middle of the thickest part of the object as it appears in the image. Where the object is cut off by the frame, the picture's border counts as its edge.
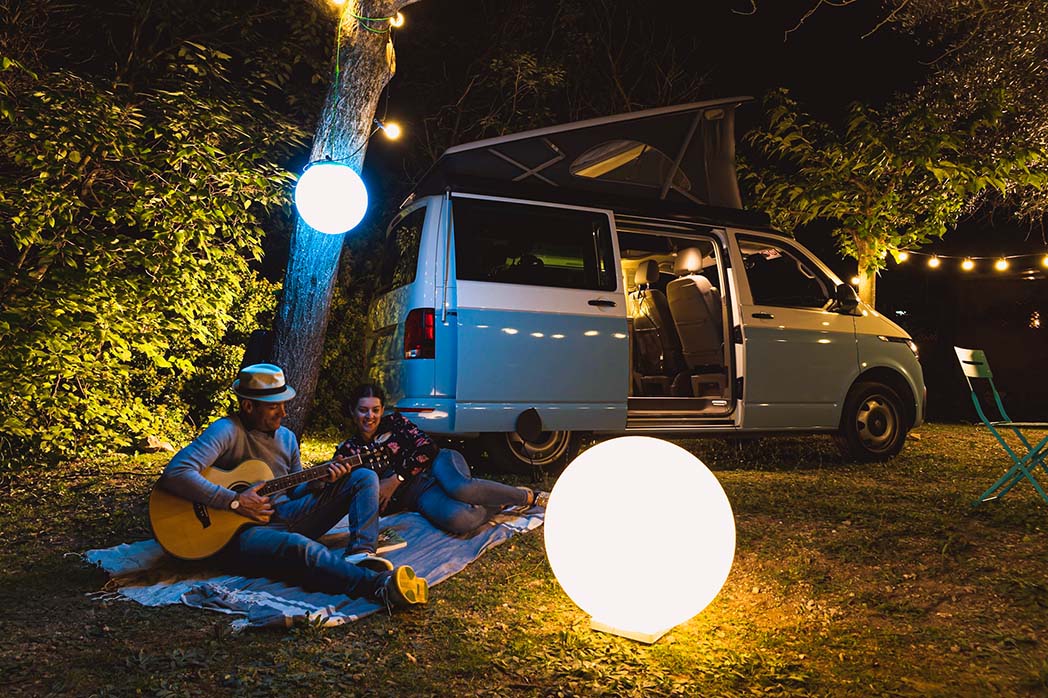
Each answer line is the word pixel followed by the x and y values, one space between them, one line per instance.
pixel 539 311
pixel 800 351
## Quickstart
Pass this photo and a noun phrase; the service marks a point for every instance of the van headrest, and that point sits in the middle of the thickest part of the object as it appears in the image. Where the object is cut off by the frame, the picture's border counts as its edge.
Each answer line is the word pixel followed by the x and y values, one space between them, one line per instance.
pixel 688 261
pixel 647 273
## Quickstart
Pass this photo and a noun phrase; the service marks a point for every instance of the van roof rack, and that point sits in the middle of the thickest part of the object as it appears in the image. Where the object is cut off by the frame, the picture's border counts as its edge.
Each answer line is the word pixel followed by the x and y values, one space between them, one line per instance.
pixel 682 154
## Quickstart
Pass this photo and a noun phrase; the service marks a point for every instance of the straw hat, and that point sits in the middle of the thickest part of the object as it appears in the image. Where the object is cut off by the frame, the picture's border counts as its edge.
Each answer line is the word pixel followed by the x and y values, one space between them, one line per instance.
pixel 263 382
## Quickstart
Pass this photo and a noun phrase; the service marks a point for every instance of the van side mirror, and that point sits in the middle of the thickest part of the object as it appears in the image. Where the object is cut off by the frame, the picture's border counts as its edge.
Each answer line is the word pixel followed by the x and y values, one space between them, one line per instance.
pixel 845 299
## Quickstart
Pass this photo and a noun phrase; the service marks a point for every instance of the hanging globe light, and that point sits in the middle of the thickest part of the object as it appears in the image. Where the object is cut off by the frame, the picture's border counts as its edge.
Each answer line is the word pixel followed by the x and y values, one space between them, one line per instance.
pixel 331 197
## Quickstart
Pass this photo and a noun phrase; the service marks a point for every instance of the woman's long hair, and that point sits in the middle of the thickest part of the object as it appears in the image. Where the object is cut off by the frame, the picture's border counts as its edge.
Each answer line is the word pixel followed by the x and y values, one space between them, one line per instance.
pixel 361 391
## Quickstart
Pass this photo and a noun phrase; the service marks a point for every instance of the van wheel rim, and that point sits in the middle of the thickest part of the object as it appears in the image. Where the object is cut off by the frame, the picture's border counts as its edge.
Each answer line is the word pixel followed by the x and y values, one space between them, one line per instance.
pixel 876 423
pixel 550 446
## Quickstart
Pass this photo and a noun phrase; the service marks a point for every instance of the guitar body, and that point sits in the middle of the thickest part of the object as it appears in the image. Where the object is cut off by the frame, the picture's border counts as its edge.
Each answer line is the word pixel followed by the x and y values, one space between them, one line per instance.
pixel 193 531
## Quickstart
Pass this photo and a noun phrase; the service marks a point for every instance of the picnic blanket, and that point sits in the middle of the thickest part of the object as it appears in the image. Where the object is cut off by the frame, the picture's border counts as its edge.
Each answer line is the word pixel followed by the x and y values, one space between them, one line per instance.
pixel 142 572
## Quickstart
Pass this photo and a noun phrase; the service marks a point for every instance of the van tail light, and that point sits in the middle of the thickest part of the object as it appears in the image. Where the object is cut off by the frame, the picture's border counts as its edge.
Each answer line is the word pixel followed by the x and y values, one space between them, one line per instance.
pixel 419 334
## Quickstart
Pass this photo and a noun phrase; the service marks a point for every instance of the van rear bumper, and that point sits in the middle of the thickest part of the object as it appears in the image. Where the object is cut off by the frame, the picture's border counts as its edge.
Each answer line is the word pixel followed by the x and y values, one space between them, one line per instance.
pixel 431 415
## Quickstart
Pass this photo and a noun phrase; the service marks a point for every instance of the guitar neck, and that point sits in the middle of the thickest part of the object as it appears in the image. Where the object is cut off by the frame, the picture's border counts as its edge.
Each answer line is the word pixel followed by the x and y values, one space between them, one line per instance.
pixel 306 475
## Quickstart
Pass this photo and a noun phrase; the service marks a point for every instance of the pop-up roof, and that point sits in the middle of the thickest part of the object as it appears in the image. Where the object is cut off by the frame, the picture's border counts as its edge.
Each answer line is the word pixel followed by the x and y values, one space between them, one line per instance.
pixel 684 153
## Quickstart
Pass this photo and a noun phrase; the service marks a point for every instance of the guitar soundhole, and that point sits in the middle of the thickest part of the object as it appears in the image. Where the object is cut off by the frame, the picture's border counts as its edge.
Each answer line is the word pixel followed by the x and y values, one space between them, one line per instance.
pixel 201 513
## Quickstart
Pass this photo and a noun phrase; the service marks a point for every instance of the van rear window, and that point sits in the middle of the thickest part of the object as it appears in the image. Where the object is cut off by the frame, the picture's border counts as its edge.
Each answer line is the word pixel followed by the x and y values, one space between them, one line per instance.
pixel 400 257
pixel 534 245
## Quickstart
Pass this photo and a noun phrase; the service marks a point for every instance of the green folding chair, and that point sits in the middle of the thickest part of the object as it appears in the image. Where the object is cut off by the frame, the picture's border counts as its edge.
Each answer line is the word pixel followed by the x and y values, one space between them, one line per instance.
pixel 1026 466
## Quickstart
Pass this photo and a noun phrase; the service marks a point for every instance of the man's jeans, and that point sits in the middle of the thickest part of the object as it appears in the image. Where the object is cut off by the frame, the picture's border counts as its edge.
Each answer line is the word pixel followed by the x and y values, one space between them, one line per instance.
pixel 286 547
pixel 451 499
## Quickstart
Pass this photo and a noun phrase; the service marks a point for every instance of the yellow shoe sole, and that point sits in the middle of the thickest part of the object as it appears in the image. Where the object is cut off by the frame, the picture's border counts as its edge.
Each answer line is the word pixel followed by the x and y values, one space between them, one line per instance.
pixel 413 588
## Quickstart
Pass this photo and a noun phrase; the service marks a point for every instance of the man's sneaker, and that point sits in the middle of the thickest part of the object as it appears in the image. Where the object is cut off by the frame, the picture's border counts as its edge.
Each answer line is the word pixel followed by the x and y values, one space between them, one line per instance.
pixel 403 588
pixel 370 561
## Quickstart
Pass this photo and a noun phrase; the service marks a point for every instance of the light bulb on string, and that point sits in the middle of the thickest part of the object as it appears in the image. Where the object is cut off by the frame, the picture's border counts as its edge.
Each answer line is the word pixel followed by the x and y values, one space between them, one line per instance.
pixel 934 262
pixel 1044 261
pixel 903 256
pixel 855 281
pixel 396 21
pixel 390 129
pixel 968 264
pixel 1001 264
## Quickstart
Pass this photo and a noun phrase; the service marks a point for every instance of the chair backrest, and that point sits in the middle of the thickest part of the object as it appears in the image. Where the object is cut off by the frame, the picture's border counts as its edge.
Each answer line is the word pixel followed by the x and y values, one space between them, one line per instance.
pixel 656 342
pixel 696 309
pixel 975 367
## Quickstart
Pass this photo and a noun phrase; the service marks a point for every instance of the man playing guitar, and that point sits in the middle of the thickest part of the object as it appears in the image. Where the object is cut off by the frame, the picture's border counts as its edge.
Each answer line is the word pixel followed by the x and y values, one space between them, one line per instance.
pixel 283 542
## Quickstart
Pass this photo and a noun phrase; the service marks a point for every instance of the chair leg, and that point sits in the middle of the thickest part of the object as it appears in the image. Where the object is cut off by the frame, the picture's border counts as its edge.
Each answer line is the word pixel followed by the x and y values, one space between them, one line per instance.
pixel 1021 469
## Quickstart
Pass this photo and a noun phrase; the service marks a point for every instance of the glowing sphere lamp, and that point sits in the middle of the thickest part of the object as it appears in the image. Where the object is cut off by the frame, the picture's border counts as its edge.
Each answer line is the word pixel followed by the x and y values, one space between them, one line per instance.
pixel 331 197
pixel 640 535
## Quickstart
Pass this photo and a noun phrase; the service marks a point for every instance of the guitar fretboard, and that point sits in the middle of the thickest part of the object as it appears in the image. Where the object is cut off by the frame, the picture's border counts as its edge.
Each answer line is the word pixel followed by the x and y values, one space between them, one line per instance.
pixel 307 475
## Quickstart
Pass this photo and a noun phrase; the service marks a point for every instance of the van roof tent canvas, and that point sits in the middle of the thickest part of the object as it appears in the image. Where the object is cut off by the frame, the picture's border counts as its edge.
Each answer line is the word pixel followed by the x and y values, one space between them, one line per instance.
pixel 678 158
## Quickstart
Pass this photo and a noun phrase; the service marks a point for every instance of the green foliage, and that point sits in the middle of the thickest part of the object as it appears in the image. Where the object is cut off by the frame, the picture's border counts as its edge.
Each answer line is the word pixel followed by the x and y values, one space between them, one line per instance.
pixel 131 219
pixel 885 182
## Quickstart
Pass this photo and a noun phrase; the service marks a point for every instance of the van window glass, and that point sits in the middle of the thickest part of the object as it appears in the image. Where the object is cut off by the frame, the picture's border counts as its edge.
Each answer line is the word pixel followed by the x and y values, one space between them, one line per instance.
pixel 630 162
pixel 780 276
pixel 534 245
pixel 400 257
pixel 636 249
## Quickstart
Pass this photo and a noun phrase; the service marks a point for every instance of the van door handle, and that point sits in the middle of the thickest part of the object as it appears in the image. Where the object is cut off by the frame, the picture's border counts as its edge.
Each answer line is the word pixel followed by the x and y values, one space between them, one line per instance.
pixel 602 303
pixel 764 316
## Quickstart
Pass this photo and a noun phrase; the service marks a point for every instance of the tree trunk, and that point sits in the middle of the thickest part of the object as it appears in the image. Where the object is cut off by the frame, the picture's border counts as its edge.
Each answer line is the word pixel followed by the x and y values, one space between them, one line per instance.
pixel 341 135
pixel 865 255
pixel 868 288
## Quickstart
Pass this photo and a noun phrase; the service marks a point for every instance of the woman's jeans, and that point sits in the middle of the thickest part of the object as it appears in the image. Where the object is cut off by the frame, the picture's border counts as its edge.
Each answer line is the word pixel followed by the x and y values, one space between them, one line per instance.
pixel 451 499
pixel 286 547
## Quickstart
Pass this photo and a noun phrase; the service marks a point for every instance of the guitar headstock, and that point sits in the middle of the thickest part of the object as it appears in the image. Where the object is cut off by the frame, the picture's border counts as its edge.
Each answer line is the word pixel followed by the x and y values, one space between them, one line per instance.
pixel 376 455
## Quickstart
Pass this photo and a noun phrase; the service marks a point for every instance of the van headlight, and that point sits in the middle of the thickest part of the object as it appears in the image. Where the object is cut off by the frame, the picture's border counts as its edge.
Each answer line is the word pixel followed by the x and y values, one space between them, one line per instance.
pixel 901 340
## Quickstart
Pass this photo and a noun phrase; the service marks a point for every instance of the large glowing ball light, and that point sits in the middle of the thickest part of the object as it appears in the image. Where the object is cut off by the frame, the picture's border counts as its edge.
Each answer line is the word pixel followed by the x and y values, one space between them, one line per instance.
pixel 640 535
pixel 331 197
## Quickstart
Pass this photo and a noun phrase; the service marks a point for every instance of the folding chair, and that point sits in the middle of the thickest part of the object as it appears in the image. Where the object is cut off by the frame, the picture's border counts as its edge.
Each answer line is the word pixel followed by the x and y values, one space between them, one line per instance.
pixel 975 367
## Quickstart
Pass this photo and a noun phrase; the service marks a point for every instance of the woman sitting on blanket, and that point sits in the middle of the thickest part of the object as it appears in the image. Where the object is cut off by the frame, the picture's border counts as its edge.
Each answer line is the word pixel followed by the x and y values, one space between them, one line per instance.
pixel 423 477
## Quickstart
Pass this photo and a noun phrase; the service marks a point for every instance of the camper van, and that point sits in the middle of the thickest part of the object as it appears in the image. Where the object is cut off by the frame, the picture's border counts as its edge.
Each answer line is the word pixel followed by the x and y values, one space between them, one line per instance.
pixel 601 278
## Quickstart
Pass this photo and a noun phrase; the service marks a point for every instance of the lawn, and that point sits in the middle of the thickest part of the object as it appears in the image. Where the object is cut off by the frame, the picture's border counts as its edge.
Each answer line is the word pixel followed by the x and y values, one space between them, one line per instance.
pixel 848 580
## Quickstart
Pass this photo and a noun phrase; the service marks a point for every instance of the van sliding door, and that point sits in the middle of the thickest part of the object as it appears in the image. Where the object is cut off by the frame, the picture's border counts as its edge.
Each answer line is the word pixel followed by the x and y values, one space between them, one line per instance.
pixel 540 316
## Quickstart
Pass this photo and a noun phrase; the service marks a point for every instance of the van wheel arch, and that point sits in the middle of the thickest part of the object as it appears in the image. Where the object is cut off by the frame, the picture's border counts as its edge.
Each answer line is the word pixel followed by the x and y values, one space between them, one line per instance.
pixel 550 454
pixel 878 412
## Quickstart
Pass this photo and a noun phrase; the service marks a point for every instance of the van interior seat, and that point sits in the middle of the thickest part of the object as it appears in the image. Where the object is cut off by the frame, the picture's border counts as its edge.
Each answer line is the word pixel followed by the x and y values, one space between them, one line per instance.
pixel 657 350
pixel 695 306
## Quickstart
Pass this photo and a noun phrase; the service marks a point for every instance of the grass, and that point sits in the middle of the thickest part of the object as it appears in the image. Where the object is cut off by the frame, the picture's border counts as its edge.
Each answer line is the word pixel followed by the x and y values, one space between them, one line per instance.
pixel 849 580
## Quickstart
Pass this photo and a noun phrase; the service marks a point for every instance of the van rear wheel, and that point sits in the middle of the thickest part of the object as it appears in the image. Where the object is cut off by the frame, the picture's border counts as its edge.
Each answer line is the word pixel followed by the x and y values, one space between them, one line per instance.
pixel 550 453
pixel 873 424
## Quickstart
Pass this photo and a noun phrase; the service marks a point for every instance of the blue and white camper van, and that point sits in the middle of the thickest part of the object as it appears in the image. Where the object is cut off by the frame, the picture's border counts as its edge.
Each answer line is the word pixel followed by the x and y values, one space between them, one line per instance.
pixel 603 277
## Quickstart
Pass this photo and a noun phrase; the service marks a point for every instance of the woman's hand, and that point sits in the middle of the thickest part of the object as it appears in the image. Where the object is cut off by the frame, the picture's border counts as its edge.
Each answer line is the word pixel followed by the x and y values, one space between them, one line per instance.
pixel 253 505
pixel 386 487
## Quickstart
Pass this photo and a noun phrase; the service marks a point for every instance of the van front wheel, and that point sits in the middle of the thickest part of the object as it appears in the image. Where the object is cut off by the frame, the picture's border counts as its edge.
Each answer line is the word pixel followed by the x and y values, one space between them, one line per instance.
pixel 550 453
pixel 873 424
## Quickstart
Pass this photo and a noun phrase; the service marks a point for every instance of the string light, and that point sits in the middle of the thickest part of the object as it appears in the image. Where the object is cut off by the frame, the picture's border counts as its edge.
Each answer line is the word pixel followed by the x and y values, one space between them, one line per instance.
pixel 397 21
pixel 855 281
pixel 1001 263
pixel 390 129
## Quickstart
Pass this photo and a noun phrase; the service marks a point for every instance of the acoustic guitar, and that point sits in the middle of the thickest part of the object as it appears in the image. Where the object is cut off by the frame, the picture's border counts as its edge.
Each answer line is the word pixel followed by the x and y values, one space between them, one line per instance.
pixel 193 531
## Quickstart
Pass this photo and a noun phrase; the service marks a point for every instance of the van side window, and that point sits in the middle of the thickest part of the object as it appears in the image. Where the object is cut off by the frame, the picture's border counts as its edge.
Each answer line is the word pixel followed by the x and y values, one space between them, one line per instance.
pixel 400 257
pixel 780 276
pixel 513 243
